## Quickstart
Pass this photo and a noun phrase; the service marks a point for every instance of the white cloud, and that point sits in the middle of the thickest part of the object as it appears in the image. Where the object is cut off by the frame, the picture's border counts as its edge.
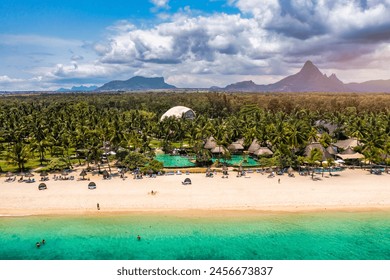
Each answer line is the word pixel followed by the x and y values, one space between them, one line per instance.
pixel 266 41
pixel 160 4
pixel 185 40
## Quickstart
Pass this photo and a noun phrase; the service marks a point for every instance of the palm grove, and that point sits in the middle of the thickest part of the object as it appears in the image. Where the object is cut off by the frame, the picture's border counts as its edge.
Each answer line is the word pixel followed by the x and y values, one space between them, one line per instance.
pixel 56 131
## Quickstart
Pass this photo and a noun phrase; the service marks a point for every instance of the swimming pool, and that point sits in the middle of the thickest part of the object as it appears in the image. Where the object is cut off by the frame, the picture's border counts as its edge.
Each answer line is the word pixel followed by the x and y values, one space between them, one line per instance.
pixel 334 169
pixel 175 161
pixel 185 161
pixel 236 160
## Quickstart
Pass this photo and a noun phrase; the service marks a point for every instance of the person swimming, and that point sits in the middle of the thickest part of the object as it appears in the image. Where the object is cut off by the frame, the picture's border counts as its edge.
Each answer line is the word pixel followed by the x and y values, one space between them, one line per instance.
pixel 139 238
pixel 38 244
pixel 43 241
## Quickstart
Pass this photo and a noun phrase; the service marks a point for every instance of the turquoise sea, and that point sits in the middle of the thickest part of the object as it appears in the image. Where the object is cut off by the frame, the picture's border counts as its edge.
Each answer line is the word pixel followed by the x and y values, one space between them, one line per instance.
pixel 297 236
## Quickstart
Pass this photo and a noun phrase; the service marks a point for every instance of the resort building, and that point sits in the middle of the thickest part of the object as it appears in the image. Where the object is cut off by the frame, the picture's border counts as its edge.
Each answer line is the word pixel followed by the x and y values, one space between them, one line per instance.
pixel 350 155
pixel 210 143
pixel 237 146
pixel 315 145
pixel 257 150
pixel 345 144
pixel 179 112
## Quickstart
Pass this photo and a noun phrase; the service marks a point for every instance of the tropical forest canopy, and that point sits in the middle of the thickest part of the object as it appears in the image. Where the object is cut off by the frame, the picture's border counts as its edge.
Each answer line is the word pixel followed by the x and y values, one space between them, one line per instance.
pixel 43 128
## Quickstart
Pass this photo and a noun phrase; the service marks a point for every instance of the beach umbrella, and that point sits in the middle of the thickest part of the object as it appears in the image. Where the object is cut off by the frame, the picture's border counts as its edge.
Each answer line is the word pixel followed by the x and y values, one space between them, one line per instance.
pixel 290 170
pixel 42 186
pixel 44 174
pixel 9 174
pixel 83 173
pixel 64 173
pixel 105 174
pixel 92 185
pixel 29 175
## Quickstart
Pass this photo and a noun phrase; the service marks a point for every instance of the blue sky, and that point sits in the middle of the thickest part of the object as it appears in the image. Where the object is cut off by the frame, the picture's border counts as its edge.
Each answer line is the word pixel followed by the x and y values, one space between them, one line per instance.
pixel 45 45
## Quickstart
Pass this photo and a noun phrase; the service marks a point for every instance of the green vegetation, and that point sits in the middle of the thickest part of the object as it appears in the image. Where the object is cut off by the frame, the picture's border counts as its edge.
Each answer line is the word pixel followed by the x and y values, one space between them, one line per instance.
pixel 52 130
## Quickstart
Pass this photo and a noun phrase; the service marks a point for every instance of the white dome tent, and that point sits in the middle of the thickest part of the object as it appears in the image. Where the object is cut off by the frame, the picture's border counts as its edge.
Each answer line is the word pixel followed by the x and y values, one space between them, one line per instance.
pixel 178 112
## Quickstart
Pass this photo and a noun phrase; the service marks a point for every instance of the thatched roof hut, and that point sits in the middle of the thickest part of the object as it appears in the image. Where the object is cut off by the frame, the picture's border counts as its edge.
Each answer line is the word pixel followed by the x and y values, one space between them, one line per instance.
pixel 254 146
pixel 331 150
pixel 345 144
pixel 263 151
pixel 350 154
pixel 210 143
pixel 236 147
pixel 348 151
pixel 316 145
pixel 218 150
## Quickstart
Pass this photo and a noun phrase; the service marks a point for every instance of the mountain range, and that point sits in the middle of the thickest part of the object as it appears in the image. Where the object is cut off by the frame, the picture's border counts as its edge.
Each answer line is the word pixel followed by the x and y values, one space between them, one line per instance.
pixel 136 83
pixel 77 89
pixel 310 79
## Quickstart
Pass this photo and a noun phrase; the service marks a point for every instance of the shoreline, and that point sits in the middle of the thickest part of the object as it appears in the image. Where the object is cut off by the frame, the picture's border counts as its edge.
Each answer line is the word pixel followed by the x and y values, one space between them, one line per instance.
pixel 351 191
pixel 198 212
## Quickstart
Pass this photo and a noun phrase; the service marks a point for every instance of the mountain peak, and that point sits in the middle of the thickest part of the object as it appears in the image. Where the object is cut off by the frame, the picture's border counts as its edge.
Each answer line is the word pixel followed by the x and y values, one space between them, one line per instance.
pixel 310 68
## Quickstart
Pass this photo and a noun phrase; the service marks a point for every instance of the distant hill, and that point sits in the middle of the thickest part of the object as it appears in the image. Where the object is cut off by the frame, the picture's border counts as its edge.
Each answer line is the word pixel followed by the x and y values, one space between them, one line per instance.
pixel 77 89
pixel 371 86
pixel 136 83
pixel 309 78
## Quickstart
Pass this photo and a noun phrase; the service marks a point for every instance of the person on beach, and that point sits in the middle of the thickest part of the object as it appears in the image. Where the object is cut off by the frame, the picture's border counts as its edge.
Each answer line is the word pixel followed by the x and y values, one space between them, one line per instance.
pixel 98 206
pixel 279 181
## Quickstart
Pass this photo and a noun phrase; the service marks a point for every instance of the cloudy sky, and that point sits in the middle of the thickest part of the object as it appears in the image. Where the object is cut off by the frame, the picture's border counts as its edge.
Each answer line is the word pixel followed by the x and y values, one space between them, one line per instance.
pixel 48 44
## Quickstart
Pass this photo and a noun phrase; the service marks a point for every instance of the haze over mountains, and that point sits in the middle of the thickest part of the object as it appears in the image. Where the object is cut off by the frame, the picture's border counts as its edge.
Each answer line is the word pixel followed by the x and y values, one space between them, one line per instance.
pixel 77 88
pixel 308 79
pixel 136 83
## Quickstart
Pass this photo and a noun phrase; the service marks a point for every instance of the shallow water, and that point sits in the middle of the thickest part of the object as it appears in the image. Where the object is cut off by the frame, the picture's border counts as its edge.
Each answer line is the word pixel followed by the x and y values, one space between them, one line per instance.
pixel 298 236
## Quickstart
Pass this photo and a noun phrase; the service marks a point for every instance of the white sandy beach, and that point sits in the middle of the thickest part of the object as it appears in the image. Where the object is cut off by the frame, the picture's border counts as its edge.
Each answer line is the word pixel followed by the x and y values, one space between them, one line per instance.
pixel 353 190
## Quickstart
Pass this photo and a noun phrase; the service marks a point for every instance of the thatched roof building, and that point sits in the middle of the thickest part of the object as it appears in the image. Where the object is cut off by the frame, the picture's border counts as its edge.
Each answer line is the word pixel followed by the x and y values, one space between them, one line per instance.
pixel 316 145
pixel 218 150
pixel 236 147
pixel 254 146
pixel 349 154
pixel 331 150
pixel 263 151
pixel 210 143
pixel 345 144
